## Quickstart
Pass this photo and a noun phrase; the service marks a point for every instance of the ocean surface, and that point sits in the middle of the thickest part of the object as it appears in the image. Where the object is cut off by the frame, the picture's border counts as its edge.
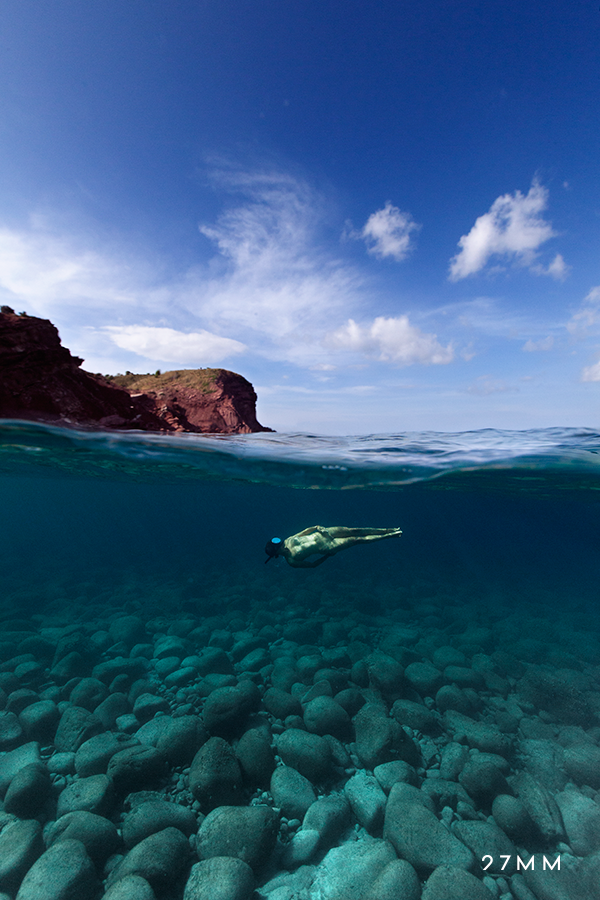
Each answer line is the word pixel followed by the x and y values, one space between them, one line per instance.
pixel 499 560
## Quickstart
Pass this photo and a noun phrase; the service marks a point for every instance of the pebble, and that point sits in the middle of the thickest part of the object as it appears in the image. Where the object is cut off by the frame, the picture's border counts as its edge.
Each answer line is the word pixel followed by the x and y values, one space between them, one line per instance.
pixel 153 816
pixel 329 816
pixel 248 833
pixel 416 715
pixel 451 883
pixel 147 705
pixel 89 693
pixel 93 756
pixel 220 878
pixel 292 793
pixel 367 800
pixel 28 791
pixel 39 720
pixel 215 776
pixel 419 837
pixel 375 735
pixel 324 716
pixel 76 725
pixel 348 872
pixel 62 764
pixel 452 761
pixel 11 731
pixel 256 757
pixel 129 629
pixel 483 780
pixel 160 858
pixel 63 872
pixel 136 767
pixel 226 709
pixel 424 678
pixel 486 838
pixel 309 754
pixel 387 774
pixel 541 806
pixel 98 835
pixel 513 818
pixel 94 794
pixel 281 704
pixel 486 738
pixel 385 674
pixel 20 699
pixel 397 880
pixel 20 845
pixel 582 762
pixel 181 739
pixel 581 818
pixel 132 887
pixel 109 710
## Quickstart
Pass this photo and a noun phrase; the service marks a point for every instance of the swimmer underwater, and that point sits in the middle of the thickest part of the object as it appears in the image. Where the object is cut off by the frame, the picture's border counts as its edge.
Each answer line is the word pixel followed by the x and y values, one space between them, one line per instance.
pixel 326 542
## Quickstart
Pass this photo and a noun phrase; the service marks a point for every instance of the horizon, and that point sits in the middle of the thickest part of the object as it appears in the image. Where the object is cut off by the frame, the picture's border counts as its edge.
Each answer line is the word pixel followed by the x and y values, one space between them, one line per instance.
pixel 386 219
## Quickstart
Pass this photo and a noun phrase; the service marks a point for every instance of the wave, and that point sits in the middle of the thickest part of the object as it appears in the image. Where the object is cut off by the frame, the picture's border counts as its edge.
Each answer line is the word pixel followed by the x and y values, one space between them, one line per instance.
pixel 531 459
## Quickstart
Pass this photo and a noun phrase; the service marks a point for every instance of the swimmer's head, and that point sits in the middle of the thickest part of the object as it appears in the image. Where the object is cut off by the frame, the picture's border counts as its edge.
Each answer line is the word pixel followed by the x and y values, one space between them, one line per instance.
pixel 272 548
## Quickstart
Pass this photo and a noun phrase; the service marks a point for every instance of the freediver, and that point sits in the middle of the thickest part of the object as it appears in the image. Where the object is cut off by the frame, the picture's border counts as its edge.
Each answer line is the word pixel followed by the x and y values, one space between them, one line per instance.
pixel 317 539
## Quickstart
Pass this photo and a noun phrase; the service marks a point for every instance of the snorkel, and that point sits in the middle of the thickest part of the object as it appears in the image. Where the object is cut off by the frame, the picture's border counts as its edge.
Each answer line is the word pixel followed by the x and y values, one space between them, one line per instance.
pixel 272 549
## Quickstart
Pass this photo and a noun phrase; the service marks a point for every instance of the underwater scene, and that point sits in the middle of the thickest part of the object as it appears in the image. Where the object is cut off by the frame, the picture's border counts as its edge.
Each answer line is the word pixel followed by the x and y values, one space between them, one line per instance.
pixel 191 709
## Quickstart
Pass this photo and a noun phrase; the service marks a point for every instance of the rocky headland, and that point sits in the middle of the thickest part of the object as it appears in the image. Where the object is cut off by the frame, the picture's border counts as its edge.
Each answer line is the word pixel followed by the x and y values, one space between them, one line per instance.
pixel 42 381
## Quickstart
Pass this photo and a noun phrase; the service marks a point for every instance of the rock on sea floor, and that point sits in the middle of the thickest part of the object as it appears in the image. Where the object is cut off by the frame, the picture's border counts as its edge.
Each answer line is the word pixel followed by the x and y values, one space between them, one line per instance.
pixel 299 748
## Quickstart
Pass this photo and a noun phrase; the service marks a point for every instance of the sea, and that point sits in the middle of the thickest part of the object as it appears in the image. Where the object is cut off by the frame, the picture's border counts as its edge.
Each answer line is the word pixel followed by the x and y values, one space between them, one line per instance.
pixel 499 560
pixel 491 517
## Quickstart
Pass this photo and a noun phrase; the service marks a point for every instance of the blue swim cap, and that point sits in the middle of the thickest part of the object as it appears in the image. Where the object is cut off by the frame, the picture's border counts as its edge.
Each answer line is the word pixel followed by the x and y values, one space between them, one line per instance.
pixel 275 540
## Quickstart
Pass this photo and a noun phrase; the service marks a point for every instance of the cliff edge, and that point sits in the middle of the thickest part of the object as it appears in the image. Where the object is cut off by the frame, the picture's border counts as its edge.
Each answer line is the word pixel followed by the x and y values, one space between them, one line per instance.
pixel 40 380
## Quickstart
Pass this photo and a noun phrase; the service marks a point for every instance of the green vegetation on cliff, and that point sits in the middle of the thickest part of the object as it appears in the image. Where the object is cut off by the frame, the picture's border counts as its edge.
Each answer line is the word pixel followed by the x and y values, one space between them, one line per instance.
pixel 198 379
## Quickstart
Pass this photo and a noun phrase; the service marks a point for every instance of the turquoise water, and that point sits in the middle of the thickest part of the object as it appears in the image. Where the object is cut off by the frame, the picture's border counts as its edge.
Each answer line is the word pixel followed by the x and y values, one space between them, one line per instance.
pixel 498 569
pixel 491 513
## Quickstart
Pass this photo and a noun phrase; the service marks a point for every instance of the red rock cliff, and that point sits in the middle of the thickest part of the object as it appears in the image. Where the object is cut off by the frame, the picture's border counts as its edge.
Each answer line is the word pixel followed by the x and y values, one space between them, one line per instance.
pixel 41 380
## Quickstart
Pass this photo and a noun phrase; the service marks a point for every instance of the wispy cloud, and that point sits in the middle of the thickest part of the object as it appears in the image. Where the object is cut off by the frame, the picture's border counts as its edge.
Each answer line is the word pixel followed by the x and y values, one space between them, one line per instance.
pixel 387 232
pixel 587 316
pixel 276 283
pixel 486 385
pixel 268 283
pixel 45 269
pixel 392 339
pixel 584 324
pixel 513 230
pixel 546 343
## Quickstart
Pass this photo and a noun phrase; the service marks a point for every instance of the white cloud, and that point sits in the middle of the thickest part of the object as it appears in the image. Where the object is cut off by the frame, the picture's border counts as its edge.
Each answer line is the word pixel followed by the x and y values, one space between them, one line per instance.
pixel 391 339
pixel 587 316
pixel 591 373
pixel 199 348
pixel 545 344
pixel 387 233
pixel 514 228
pixel 557 269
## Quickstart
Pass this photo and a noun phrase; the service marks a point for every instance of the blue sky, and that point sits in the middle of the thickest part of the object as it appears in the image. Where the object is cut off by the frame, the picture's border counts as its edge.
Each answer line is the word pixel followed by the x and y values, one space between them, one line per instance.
pixel 385 215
